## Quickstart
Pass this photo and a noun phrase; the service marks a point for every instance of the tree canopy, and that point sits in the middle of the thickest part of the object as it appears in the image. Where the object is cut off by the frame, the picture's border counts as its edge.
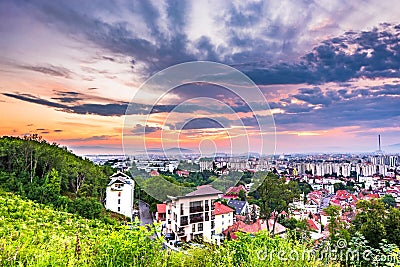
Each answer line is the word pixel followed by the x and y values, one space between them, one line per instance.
pixel 276 196
pixel 50 174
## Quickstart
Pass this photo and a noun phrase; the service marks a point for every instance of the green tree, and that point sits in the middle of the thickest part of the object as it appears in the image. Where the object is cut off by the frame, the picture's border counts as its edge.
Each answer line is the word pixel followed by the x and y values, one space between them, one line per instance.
pixel 370 219
pixel 389 200
pixel 52 187
pixel 376 222
pixel 336 226
pixel 242 195
pixel 275 196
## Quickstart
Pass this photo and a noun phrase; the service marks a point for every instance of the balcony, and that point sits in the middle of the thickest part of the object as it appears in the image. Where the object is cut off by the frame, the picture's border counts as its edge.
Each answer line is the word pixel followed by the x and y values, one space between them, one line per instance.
pixel 113 188
pixel 196 209
pixel 181 231
pixel 196 219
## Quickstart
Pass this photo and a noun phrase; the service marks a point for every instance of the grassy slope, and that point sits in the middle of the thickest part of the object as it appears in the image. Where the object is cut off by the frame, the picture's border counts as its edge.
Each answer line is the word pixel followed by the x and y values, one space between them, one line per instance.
pixel 35 235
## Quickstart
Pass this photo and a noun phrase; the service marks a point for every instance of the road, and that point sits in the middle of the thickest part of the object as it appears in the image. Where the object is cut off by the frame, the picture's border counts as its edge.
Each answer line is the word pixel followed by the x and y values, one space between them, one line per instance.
pixel 144 213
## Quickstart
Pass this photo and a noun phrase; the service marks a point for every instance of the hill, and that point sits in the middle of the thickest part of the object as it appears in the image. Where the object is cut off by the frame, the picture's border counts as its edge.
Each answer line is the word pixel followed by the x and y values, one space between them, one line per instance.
pixel 50 174
pixel 33 234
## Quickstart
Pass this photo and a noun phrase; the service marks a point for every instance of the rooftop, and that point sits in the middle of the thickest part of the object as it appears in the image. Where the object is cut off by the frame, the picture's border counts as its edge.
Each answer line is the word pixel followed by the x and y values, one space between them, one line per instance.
pixel 221 209
pixel 204 190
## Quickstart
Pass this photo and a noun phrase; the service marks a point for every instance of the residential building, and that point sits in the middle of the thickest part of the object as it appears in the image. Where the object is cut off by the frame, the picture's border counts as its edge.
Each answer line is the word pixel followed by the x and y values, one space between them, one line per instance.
pixel 161 212
pixel 120 194
pixel 223 218
pixel 241 207
pixel 190 216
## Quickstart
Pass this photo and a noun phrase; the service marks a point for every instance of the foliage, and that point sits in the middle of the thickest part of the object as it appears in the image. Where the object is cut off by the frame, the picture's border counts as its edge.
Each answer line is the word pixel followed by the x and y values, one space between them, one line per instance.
pixel 375 222
pixel 276 195
pixel 259 249
pixel 242 195
pixel 389 200
pixel 33 234
pixel 336 226
pixel 385 255
pixel 52 175
pixel 191 167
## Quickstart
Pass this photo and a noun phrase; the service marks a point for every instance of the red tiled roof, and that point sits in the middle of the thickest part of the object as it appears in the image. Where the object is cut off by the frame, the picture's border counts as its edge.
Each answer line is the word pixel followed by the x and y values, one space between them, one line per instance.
pixel 154 173
pixel 371 196
pixel 312 225
pixel 221 209
pixel 162 208
pixel 253 228
pixel 234 190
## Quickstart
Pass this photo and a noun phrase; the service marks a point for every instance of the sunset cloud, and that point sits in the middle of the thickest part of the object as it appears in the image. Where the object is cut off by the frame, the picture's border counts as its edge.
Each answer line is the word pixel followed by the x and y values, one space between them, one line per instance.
pixel 328 70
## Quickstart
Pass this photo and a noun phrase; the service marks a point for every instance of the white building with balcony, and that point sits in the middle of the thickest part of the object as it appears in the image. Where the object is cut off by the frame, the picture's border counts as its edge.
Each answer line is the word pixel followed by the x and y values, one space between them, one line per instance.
pixel 191 216
pixel 120 194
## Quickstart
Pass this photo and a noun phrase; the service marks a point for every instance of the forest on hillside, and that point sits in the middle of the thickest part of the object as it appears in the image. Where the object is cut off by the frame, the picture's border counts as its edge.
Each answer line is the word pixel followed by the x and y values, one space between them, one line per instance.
pixel 49 174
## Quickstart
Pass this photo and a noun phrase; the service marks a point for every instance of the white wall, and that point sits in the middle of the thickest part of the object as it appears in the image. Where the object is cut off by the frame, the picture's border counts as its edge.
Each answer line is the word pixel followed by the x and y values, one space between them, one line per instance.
pixel 125 198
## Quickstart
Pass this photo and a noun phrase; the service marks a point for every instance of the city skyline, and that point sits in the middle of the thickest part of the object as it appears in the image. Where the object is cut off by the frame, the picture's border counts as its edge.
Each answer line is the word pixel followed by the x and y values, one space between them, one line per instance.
pixel 330 71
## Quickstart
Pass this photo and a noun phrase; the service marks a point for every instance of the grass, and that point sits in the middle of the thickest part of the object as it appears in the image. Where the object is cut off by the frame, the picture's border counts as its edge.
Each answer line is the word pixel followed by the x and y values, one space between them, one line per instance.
pixel 36 235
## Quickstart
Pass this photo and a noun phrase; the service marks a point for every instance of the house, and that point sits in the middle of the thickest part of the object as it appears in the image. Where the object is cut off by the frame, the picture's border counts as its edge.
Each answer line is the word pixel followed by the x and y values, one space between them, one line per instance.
pixel 191 216
pixel 223 217
pixel 161 212
pixel 241 207
pixel 120 194
pixel 235 190
pixel 154 173
pixel 254 228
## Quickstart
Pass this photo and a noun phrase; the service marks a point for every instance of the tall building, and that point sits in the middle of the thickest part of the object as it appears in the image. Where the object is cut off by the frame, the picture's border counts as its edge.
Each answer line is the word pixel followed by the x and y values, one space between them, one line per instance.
pixel 120 194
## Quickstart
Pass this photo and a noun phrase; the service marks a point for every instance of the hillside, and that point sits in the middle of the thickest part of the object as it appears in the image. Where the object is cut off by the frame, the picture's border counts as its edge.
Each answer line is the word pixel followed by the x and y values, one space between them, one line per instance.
pixel 33 234
pixel 50 174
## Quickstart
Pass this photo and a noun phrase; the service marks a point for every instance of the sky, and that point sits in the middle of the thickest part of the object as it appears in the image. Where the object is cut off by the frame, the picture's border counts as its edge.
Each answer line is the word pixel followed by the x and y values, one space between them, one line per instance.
pixel 329 70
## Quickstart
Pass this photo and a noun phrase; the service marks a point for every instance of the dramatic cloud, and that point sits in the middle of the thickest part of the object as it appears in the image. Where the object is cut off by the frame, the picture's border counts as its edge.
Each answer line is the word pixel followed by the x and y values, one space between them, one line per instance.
pixel 322 66
pixel 140 129
pixel 201 123
pixel 49 70
pixel 376 106
pixel 367 54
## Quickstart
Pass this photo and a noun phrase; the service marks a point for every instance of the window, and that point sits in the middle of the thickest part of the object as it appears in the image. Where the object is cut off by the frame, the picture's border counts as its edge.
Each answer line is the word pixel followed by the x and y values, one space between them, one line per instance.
pixel 119 194
pixel 200 227
pixel 207 208
pixel 119 208
pixel 193 228
pixel 222 216
pixel 119 201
